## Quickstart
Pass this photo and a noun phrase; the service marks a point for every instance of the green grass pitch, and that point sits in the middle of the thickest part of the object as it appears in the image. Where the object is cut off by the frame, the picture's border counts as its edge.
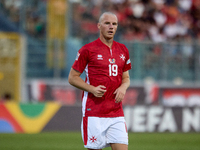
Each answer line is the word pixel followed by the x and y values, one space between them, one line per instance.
pixel 73 141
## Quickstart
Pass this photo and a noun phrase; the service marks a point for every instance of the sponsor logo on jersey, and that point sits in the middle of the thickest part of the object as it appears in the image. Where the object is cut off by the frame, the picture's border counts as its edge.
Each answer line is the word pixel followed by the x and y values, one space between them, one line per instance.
pixel 122 57
pixel 112 61
pixel 99 57
pixel 77 56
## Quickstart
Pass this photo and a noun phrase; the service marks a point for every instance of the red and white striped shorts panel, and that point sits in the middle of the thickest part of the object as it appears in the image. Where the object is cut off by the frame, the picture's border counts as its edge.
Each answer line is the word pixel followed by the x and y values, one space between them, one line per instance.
pixel 98 133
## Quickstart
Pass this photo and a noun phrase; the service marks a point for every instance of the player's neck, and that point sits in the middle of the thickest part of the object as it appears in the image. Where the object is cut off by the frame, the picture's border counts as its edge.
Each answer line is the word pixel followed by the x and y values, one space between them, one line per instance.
pixel 108 42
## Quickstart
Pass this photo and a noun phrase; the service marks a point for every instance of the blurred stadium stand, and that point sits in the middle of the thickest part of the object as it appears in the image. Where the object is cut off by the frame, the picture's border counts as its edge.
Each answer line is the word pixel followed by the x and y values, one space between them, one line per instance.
pixel 6 25
pixel 148 28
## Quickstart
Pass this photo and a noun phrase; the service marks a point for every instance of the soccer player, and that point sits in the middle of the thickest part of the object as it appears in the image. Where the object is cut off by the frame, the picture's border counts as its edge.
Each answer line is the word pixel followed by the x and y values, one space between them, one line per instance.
pixel 106 64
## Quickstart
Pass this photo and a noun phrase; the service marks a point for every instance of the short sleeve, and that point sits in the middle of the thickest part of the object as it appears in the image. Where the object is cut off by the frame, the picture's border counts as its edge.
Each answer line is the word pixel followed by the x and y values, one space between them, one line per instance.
pixel 128 61
pixel 81 60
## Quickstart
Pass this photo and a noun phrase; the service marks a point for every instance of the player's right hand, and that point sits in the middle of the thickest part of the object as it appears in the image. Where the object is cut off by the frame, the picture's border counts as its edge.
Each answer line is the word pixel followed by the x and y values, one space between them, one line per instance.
pixel 99 91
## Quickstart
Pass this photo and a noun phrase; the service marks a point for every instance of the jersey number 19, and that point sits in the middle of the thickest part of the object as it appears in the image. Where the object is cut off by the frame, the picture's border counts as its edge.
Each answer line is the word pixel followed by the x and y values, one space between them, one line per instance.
pixel 113 70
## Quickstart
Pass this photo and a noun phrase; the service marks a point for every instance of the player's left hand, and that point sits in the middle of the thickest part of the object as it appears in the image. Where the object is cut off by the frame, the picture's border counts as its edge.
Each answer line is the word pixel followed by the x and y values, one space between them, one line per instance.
pixel 120 93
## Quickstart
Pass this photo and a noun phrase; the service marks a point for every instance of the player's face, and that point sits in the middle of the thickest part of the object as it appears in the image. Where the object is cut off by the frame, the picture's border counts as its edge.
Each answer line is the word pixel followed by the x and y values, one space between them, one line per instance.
pixel 108 26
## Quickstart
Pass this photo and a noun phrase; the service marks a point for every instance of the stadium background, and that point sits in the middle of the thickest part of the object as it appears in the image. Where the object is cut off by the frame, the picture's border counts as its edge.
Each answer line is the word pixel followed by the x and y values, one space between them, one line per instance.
pixel 39 40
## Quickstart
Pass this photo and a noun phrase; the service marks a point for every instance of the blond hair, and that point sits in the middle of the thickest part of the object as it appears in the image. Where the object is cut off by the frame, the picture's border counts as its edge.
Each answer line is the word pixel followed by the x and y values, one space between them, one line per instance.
pixel 106 13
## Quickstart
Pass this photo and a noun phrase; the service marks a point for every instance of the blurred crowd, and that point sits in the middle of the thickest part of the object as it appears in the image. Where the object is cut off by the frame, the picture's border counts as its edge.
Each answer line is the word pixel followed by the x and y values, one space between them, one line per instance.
pixel 154 20
pixel 31 15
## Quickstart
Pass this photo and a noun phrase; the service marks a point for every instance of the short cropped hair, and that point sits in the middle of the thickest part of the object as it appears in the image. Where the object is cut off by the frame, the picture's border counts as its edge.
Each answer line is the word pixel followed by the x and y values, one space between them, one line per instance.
pixel 108 13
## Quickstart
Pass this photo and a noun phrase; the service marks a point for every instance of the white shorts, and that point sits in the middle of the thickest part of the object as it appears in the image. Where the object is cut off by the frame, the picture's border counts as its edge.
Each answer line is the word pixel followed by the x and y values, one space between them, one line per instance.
pixel 98 133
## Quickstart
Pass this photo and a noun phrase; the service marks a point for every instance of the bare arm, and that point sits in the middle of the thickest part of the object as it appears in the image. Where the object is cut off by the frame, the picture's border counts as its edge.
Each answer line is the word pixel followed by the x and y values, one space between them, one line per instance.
pixel 121 90
pixel 75 80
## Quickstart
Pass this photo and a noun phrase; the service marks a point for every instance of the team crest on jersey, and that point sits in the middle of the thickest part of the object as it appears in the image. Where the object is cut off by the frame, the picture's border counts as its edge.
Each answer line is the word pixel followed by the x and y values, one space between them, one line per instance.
pixel 112 61
pixel 99 57
pixel 77 56
pixel 122 57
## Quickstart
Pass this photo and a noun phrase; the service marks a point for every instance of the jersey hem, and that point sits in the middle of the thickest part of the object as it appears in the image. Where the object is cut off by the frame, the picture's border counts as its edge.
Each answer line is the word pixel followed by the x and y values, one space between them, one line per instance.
pixel 104 116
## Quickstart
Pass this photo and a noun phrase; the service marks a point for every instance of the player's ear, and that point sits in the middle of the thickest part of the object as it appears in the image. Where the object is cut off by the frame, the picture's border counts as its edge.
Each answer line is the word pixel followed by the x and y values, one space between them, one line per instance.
pixel 98 25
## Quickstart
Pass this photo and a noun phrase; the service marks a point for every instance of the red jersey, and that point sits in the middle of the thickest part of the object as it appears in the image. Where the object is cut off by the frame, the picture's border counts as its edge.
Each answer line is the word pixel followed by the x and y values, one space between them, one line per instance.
pixel 103 66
